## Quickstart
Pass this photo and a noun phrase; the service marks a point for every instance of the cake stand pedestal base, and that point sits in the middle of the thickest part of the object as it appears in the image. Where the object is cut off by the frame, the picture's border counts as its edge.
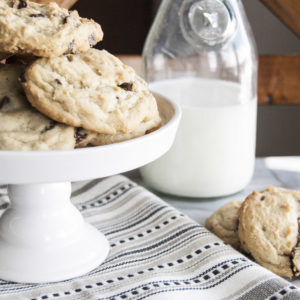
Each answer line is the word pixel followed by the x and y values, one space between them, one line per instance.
pixel 44 238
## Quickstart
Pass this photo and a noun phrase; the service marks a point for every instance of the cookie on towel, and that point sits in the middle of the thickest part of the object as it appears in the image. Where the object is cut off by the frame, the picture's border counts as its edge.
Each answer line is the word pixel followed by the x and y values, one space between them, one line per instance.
pixel 268 229
pixel 23 128
pixel 223 223
pixel 44 29
pixel 93 90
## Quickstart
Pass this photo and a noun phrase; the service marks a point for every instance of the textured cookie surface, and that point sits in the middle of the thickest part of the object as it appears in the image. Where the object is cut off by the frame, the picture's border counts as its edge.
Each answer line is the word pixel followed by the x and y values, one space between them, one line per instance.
pixel 22 127
pixel 44 29
pixel 12 96
pixel 268 228
pixel 92 90
pixel 223 223
pixel 85 137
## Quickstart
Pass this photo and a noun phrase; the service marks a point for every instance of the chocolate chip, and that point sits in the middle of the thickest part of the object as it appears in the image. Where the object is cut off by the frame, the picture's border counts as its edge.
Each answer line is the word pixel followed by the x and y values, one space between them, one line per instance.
pixel 262 198
pixel 5 100
pixel 70 58
pixel 22 77
pixel 50 126
pixel 71 49
pixel 37 16
pixel 92 40
pixel 58 81
pixel 79 136
pixel 22 4
pixel 65 20
pixel 127 86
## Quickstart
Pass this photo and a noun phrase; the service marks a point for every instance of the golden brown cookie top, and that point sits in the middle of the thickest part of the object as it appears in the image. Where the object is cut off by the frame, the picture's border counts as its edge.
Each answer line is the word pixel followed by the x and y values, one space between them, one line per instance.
pixel 44 29
pixel 268 228
pixel 223 223
pixel 23 128
pixel 93 90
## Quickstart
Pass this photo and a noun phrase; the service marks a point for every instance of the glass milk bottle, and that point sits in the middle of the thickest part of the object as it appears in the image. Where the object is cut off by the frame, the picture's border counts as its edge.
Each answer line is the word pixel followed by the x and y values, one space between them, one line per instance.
pixel 201 54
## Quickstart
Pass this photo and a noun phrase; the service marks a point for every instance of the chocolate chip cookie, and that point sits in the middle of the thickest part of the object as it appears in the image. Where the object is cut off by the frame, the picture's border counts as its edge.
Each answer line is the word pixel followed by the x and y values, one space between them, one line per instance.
pixel 23 128
pixel 223 223
pixel 93 90
pixel 268 229
pixel 46 30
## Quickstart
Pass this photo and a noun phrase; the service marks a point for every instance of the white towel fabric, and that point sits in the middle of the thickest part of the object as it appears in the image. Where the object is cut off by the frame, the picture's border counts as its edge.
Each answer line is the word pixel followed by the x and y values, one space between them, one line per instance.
pixel 156 253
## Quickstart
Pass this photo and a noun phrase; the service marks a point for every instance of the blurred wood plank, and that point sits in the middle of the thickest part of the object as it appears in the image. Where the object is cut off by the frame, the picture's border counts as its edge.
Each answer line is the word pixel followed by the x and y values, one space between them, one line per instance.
pixel 288 12
pixel 134 61
pixel 278 79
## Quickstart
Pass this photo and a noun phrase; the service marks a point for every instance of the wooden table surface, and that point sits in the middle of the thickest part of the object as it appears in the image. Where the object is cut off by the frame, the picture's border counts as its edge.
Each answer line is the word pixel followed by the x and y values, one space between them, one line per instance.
pixel 278 82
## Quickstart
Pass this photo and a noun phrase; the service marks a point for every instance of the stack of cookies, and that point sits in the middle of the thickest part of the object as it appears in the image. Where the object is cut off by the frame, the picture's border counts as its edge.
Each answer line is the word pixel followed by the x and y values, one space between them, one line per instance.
pixel 56 92
pixel 264 226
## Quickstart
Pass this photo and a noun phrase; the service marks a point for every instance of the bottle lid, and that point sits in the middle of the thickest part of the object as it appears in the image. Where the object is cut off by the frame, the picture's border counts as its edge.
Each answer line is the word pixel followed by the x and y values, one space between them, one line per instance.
pixel 207 23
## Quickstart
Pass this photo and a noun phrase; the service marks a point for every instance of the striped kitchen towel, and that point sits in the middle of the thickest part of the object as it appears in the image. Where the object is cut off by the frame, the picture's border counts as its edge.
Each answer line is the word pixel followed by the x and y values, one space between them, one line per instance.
pixel 156 253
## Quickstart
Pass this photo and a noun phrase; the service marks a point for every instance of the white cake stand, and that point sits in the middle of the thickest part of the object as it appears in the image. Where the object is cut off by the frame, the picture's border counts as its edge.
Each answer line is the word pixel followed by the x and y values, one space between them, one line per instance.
pixel 43 237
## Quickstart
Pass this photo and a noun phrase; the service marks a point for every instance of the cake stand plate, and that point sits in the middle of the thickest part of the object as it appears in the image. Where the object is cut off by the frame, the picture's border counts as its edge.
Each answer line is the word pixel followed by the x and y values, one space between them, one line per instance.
pixel 43 237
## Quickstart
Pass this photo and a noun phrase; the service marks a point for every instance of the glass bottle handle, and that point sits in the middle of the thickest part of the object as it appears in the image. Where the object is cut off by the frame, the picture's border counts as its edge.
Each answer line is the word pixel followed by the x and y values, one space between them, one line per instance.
pixel 207 23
